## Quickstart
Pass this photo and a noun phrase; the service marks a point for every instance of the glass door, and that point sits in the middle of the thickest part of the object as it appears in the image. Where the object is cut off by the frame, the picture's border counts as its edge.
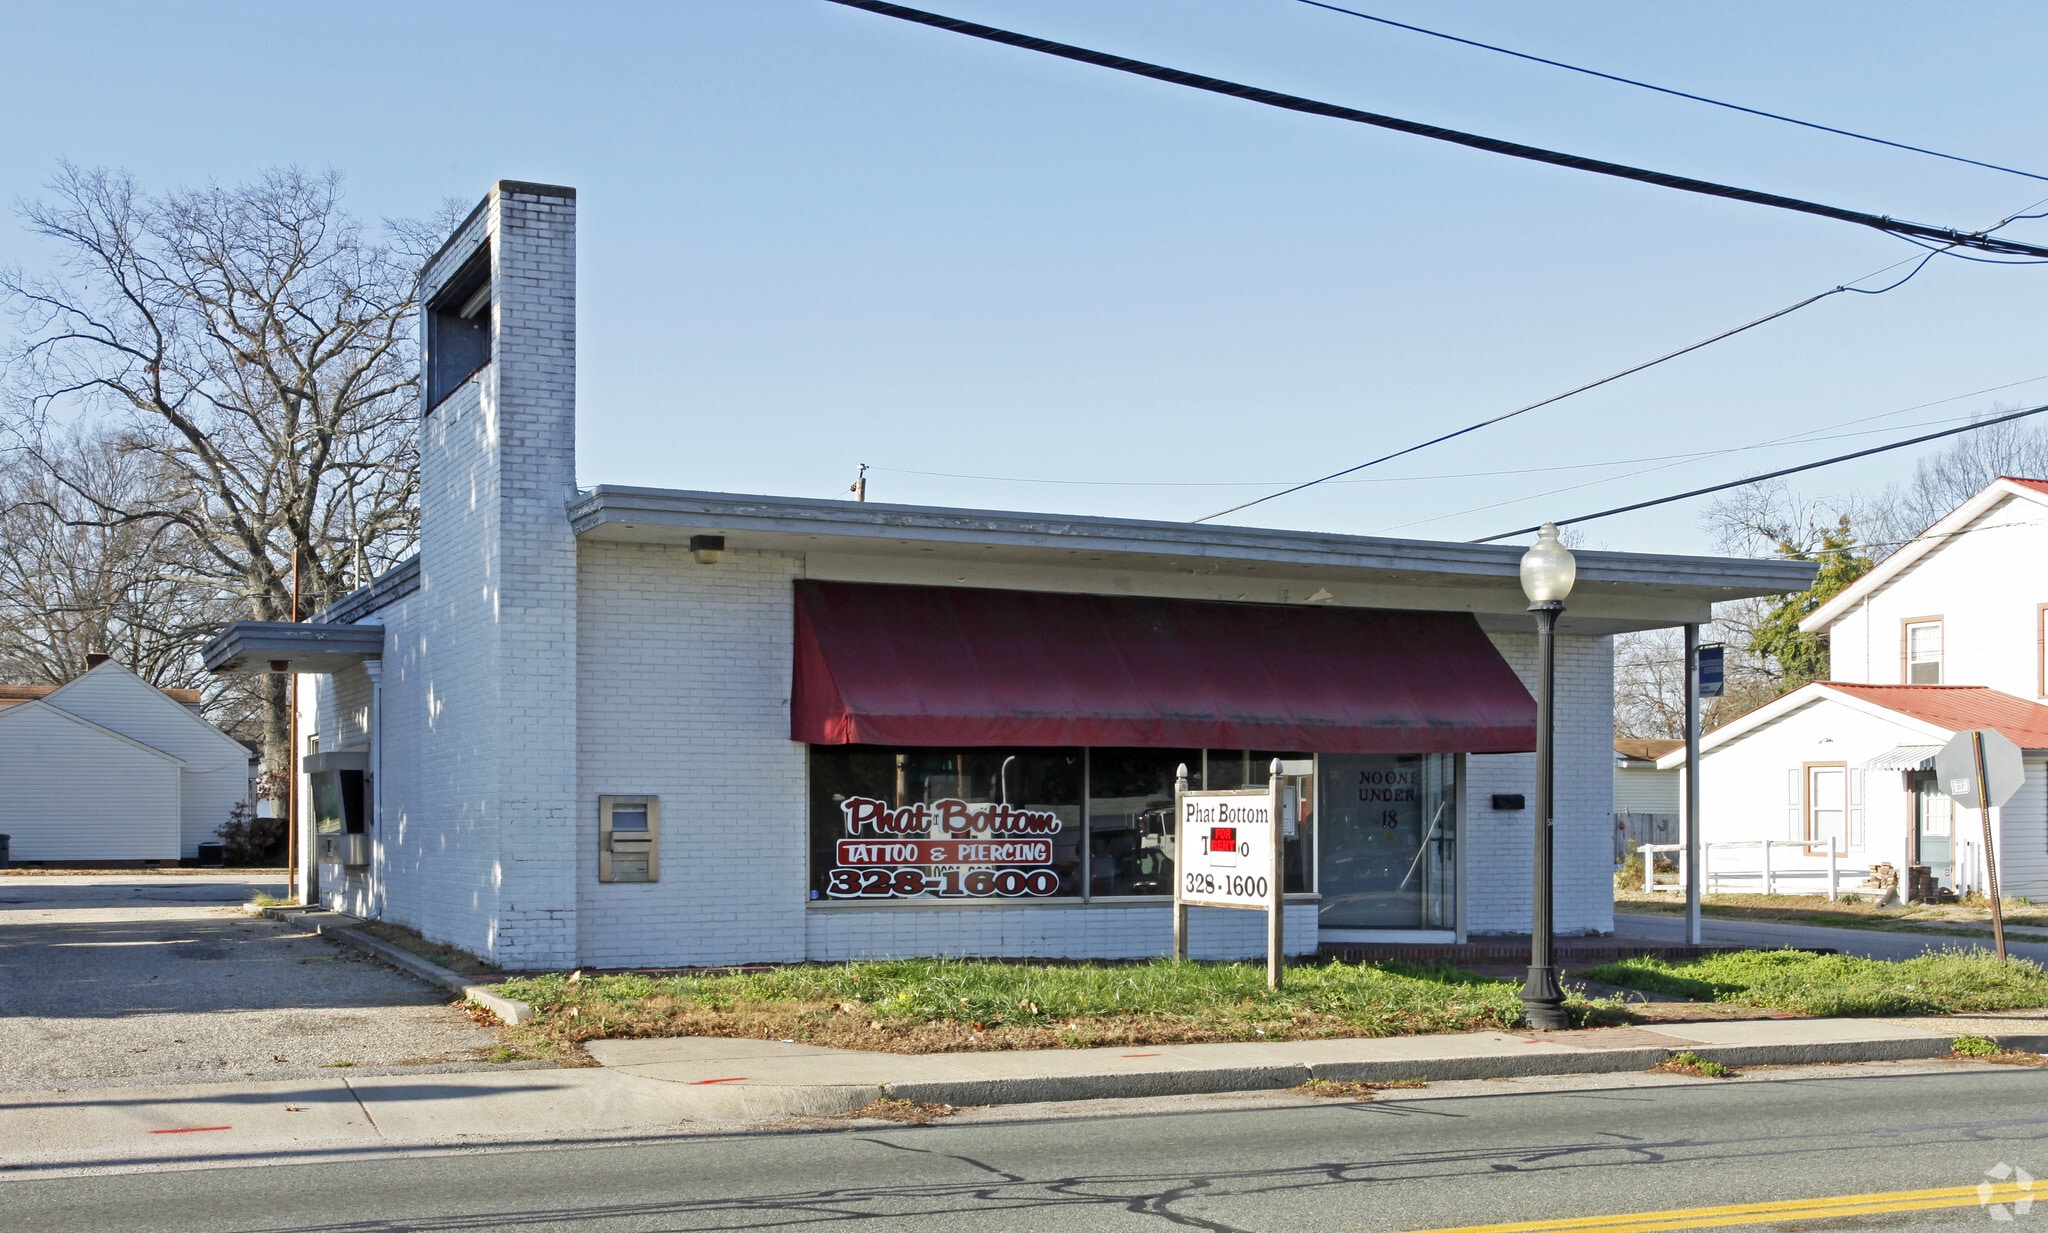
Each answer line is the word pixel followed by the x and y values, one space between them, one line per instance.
pixel 1934 830
pixel 1388 830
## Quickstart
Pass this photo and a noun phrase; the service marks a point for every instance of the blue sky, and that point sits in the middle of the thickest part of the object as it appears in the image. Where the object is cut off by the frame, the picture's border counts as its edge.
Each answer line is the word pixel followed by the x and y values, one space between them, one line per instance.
pixel 813 238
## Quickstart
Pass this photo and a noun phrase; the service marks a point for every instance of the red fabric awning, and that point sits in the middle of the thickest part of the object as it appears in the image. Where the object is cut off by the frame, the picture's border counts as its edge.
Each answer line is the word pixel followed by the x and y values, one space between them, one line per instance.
pixel 964 667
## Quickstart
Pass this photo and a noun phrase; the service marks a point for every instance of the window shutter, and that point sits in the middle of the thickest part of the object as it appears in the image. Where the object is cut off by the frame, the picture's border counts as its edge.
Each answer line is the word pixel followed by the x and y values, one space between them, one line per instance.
pixel 1855 827
pixel 1792 806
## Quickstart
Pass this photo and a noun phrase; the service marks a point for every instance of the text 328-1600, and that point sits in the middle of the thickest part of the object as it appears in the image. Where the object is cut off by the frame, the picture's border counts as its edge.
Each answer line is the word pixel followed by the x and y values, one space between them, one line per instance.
pixel 945 883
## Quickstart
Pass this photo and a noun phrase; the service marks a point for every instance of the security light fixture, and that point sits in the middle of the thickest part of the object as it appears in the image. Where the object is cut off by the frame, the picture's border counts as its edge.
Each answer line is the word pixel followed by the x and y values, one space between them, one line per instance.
pixel 707 548
pixel 1548 568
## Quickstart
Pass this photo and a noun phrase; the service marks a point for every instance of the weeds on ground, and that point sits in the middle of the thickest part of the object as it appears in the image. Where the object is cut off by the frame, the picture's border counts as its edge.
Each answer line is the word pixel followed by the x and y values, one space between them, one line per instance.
pixel 1985 1049
pixel 1940 982
pixel 1690 1063
pixel 1339 1089
pixel 944 1005
pixel 912 1112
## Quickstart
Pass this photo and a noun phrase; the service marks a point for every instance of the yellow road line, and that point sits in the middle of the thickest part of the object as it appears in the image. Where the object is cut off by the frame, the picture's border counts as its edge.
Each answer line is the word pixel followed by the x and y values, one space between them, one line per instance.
pixel 1753 1213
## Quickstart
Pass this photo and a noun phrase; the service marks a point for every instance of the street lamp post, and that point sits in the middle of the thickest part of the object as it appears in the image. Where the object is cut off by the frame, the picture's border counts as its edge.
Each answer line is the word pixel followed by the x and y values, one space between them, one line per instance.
pixel 1548 572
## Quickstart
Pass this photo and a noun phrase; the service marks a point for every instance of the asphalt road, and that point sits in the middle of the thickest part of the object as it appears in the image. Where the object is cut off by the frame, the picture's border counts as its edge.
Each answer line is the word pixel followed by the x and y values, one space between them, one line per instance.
pixel 1430 1161
pixel 1870 943
pixel 163 979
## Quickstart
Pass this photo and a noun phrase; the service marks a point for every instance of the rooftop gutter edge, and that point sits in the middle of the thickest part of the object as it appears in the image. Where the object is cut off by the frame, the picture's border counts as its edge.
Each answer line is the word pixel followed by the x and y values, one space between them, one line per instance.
pixel 606 504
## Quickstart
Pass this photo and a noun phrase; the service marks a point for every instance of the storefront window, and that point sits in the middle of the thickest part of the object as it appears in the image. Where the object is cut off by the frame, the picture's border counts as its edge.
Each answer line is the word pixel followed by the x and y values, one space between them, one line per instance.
pixel 1130 818
pixel 1389 841
pixel 944 824
pixel 1226 770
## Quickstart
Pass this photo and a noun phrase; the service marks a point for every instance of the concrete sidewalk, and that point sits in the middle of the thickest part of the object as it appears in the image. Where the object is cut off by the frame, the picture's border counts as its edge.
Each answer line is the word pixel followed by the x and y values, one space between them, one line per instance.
pixel 654 1087
pixel 1868 943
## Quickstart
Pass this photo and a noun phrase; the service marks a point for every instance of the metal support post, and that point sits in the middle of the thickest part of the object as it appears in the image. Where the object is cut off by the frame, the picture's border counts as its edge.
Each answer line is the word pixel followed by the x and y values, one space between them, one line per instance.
pixel 1693 865
pixel 1276 906
pixel 1990 851
pixel 1180 909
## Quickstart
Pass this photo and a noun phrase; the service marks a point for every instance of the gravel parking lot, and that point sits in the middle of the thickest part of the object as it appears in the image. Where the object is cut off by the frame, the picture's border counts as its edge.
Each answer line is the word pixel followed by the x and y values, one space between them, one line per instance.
pixel 163 979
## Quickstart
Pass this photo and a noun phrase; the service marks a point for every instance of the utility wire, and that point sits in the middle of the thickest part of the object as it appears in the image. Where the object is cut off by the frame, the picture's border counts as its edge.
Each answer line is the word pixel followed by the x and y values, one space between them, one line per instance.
pixel 1917 263
pixel 1292 102
pixel 1697 98
pixel 1803 438
pixel 1508 415
pixel 1769 475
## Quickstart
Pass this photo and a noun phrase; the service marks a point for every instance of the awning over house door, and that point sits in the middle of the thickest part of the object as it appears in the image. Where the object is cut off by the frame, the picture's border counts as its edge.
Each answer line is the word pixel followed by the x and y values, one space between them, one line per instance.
pixel 1904 758
pixel 965 667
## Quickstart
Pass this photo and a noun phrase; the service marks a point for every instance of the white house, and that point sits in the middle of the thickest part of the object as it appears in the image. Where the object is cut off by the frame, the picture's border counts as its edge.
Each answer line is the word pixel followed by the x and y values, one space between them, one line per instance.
pixel 1641 785
pixel 1944 635
pixel 636 727
pixel 107 767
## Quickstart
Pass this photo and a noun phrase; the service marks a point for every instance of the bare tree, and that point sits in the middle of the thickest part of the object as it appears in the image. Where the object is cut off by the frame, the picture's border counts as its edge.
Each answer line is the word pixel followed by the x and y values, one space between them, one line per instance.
pixel 1649 684
pixel 1957 473
pixel 71 583
pixel 252 352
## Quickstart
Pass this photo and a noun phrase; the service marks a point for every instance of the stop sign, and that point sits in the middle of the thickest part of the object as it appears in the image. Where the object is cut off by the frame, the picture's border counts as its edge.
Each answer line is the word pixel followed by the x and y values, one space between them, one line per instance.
pixel 1955 768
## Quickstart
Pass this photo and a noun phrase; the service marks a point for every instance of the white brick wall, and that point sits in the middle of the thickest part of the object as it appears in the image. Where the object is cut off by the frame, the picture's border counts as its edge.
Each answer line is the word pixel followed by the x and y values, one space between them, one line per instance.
pixel 1498 881
pixel 480 663
pixel 1064 931
pixel 683 692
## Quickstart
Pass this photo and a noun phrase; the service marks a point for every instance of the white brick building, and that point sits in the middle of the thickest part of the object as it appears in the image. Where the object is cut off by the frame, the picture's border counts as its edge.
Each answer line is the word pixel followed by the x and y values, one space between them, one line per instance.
pixel 634 727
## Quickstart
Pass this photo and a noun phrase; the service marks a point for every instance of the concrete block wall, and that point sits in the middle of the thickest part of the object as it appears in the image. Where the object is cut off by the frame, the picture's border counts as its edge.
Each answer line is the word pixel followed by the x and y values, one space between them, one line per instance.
pixel 683 693
pixel 1498 884
pixel 1066 931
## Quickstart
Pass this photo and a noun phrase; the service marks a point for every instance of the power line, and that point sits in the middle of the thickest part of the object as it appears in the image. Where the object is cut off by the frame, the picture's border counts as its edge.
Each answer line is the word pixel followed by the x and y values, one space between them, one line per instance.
pixel 1807 437
pixel 1918 265
pixel 1697 98
pixel 1769 475
pixel 1980 241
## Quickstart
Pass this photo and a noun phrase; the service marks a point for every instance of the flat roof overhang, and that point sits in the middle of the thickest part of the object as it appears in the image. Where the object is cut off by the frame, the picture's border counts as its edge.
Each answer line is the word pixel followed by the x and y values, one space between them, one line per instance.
pixel 1616 592
pixel 248 648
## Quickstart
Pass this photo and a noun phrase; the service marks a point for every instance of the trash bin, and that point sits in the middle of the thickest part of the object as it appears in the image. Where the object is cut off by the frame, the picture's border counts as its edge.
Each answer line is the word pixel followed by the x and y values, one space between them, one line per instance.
pixel 213 854
pixel 3 850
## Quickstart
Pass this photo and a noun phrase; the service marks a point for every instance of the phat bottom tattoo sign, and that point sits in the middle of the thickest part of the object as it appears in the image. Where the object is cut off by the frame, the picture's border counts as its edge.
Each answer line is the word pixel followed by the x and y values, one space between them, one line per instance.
pixel 1228 847
pixel 948 848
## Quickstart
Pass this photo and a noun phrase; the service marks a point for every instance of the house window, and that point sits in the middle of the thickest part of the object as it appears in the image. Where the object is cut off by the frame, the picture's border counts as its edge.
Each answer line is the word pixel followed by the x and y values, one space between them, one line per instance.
pixel 1827 807
pixel 1923 653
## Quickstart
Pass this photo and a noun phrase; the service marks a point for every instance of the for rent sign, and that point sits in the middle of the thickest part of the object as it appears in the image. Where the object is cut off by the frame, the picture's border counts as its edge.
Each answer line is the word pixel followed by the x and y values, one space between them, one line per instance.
pixel 1227 848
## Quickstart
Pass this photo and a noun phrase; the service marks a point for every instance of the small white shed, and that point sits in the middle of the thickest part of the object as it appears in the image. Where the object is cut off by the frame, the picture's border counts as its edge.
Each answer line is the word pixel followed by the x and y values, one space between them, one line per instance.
pixel 216 765
pixel 77 791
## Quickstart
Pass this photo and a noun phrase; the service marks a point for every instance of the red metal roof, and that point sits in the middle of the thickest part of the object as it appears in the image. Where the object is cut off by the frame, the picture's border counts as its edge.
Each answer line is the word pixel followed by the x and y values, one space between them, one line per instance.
pixel 1960 707
pixel 2036 485
pixel 965 667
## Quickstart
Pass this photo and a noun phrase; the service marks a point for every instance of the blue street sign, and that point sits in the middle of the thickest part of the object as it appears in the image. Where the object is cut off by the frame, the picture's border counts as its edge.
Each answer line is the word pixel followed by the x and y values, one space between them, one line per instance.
pixel 1710 672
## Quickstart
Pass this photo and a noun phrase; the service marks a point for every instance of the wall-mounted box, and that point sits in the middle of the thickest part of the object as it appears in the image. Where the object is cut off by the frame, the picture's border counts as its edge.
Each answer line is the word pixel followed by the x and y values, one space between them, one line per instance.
pixel 1509 802
pixel 340 795
pixel 628 838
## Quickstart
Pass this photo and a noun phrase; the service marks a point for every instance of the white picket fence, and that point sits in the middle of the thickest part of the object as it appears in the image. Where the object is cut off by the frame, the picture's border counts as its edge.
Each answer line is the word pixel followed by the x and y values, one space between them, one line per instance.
pixel 1771 878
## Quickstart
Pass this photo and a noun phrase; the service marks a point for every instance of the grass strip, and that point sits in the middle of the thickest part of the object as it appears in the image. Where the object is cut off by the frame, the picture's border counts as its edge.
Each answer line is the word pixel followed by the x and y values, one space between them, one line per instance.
pixel 1939 982
pixel 942 1005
